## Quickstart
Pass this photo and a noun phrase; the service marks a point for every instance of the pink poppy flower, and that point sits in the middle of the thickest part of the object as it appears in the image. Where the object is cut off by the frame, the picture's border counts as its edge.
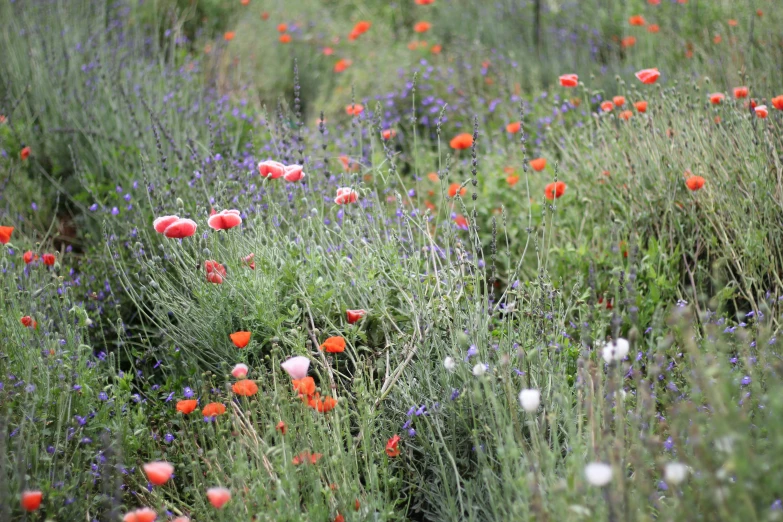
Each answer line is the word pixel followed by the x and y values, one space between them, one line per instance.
pixel 158 472
pixel 271 169
pixel 346 195
pixel 248 260
pixel 224 220
pixel 293 173
pixel 648 76
pixel 163 222
pixel 761 111
pixel 215 271
pixel 569 80
pixel 218 497
pixel 354 315
pixel 181 228
pixel 140 515
pixel 297 367
pixel 240 371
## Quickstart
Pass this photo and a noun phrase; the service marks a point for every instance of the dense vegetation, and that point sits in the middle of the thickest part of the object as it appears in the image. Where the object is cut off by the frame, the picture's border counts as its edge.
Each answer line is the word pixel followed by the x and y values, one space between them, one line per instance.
pixel 390 260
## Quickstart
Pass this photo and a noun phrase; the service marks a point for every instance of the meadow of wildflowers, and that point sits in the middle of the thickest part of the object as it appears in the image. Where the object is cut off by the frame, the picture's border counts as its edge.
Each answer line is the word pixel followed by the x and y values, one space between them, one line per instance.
pixel 412 260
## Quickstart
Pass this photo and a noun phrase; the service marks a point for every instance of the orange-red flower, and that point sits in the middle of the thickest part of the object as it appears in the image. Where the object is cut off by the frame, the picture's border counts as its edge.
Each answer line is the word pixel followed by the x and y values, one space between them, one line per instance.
pixel 454 188
pixel 512 180
pixel 628 41
pixel 218 497
pixel 158 473
pixel 514 127
pixel 48 259
pixel 694 183
pixel 422 27
pixel 354 110
pixel 24 153
pixel 648 76
pixel 607 106
pixel 717 98
pixel 31 500
pixel 717 39
pixel 538 164
pixel 321 405
pixel 305 386
pixel 355 315
pixel 28 321
pixel 339 518
pixel 229 35
pixel 388 134
pixel 215 271
pixel 761 111
pixel 240 339
pixel 619 100
pixel 461 222
pixel 28 257
pixel 306 456
pixel 433 176
pixel 637 20
pixel 361 27
pixel 569 80
pixel 653 28
pixel 392 448
pixel 245 387
pixel 436 49
pixel 5 234
pixel 425 2
pixel 777 102
pixel 264 16
pixel 341 65
pixel 740 92
pixel 732 23
pixel 641 106
pixel 213 409
pixel 140 515
pixel 626 115
pixel 281 427
pixel 334 344
pixel 554 190
pixel 187 406
pixel 281 28
pixel 462 141
pixel 285 38
pixel 327 51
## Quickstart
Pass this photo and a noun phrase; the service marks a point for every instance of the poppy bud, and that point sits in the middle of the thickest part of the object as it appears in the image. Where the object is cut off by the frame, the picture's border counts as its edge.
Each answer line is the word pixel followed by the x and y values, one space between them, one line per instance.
pixel 180 203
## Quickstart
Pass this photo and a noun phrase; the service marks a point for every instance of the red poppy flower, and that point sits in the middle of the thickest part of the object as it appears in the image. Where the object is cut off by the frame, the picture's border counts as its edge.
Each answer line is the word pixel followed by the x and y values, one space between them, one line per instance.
pixel 213 409
pixel 425 2
pixel 777 102
pixel 422 27
pixel 246 388
pixel 31 500
pixel 538 164
pixel 740 92
pixel 619 100
pixel 461 222
pixel 462 141
pixel 388 134
pixel 392 448
pixel 28 257
pixel 335 344
pixel 628 41
pixel 284 38
pixel 5 234
pixel 215 271
pixel 346 195
pixel 761 111
pixel 327 51
pixel 717 98
pixel 356 505
pixel 354 110
pixel 294 173
pixel 361 27
pixel 240 339
pixel 305 386
pixel 626 115
pixel 648 76
pixel 512 180
pixel 180 229
pixel 224 220
pixel 694 183
pixel 513 128
pixel 264 16
pixel 24 153
pixel 341 65
pixel 187 406
pixel 454 188
pixel 354 315
pixel 321 406
pixel 569 80
pixel 305 457
pixel 281 28
pixel 245 2
pixel 140 515
pixel 554 190
pixel 281 427
pixel 732 23
pixel 248 260
pixel 717 39
pixel 218 497
pixel 229 35
pixel 271 169
pixel 607 106
pixel 653 28
pixel 637 20
pixel 158 473
pixel 28 321
pixel 436 49
pixel 641 106
pixel 339 518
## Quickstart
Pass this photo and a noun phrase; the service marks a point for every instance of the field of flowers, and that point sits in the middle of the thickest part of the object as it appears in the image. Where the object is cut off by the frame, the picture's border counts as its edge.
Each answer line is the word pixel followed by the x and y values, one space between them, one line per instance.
pixel 416 260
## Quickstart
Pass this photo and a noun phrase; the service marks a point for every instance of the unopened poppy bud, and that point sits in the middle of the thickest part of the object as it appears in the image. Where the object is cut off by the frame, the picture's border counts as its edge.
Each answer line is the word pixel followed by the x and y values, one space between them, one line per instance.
pixel 180 203
pixel 206 252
